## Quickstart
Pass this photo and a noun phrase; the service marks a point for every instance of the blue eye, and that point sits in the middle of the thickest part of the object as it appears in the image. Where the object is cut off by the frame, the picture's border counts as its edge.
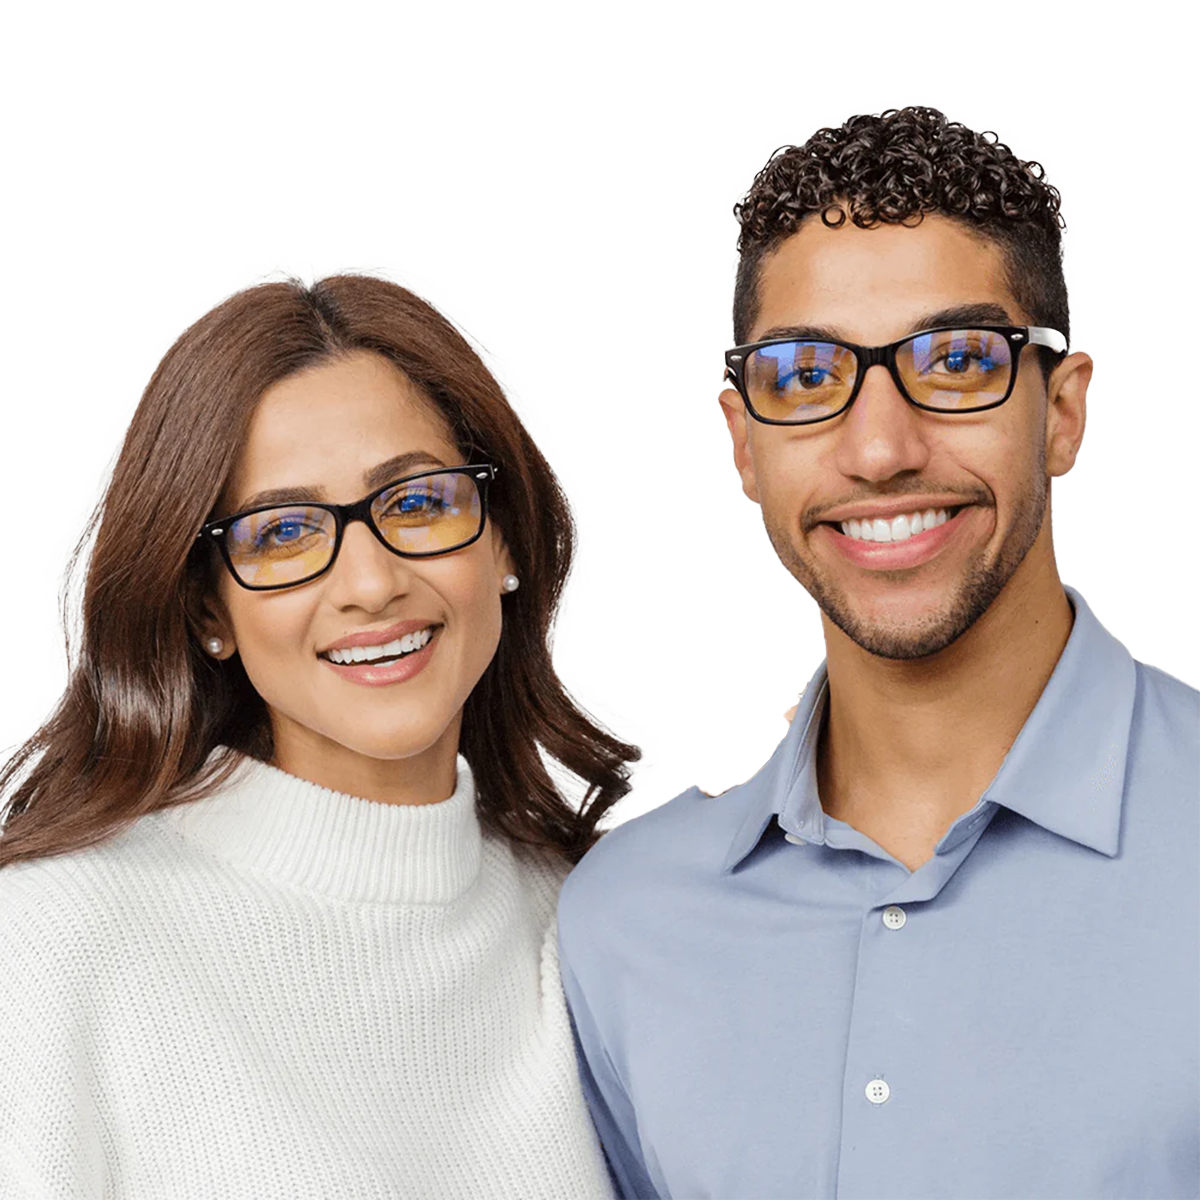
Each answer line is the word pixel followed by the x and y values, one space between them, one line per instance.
pixel 416 502
pixel 284 532
pixel 288 531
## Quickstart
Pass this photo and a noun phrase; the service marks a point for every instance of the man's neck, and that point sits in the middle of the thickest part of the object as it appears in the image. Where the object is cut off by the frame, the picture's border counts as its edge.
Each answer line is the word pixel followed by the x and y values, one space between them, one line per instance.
pixel 907 746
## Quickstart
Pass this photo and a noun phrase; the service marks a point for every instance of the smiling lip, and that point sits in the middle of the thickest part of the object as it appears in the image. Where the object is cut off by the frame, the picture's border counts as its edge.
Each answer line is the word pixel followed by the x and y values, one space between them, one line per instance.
pixel 380 674
pixel 888 509
pixel 378 637
pixel 897 556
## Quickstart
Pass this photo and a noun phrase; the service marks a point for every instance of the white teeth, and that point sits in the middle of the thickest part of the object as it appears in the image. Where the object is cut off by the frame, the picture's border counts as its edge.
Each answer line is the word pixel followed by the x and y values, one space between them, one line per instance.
pixel 404 645
pixel 899 529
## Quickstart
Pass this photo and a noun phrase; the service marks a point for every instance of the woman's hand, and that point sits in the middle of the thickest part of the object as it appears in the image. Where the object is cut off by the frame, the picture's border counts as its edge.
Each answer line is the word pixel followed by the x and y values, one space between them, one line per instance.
pixel 754 723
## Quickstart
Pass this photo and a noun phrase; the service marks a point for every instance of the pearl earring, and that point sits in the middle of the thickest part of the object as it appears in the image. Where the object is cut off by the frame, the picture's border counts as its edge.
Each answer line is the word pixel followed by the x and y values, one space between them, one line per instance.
pixel 214 646
pixel 510 583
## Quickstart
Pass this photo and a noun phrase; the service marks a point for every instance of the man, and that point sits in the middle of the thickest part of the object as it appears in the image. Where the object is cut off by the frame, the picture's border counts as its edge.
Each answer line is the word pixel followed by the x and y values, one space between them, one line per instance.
pixel 944 943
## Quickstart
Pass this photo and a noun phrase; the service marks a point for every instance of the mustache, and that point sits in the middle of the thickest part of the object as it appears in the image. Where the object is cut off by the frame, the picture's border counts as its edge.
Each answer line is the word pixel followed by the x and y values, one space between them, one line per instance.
pixel 815 514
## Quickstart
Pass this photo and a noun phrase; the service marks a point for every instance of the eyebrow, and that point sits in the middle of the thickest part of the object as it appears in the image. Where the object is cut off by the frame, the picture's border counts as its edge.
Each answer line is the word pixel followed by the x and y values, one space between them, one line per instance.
pixel 959 316
pixel 376 477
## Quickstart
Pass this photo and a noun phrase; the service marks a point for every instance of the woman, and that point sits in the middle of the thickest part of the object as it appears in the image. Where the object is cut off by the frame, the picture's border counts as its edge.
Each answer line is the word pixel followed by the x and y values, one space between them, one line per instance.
pixel 278 875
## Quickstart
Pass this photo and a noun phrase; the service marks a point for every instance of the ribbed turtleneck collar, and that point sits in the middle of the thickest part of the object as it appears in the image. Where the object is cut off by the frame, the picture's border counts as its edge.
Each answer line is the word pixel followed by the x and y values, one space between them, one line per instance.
pixel 339 845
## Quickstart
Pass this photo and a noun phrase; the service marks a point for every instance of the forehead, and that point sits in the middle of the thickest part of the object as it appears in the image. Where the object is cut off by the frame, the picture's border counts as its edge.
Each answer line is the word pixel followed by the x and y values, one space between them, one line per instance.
pixel 872 284
pixel 325 427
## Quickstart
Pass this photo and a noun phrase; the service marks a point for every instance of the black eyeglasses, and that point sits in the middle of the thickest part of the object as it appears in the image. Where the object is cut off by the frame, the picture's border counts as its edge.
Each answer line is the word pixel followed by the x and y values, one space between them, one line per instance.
pixel 418 516
pixel 790 381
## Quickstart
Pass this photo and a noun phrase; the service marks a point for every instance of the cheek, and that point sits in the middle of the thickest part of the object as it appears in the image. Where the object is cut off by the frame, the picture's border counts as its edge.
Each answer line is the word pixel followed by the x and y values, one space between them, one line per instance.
pixel 781 486
pixel 269 631
pixel 476 603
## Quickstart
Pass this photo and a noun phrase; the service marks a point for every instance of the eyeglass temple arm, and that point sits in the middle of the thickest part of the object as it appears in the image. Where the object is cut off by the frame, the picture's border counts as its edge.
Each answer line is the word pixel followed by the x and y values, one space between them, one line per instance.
pixel 1040 335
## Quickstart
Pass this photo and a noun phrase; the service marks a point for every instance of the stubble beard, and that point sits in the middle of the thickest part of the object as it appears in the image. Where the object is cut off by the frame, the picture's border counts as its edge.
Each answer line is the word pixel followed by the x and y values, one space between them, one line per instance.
pixel 932 632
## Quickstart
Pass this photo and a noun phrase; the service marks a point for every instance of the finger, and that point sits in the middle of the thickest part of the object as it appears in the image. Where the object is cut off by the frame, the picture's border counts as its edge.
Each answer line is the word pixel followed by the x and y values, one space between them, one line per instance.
pixel 684 767
pixel 714 715
pixel 796 688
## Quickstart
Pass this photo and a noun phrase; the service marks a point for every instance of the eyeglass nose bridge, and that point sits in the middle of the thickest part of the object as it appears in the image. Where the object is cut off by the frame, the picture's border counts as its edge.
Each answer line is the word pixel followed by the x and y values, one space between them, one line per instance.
pixel 867 357
pixel 348 514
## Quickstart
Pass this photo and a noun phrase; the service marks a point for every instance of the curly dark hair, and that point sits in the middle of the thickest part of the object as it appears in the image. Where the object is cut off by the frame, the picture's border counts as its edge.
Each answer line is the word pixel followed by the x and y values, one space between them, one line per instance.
pixel 893 169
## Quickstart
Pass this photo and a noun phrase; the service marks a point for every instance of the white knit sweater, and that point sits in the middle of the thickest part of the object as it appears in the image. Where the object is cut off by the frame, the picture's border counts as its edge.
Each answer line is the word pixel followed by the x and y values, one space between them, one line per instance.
pixel 282 991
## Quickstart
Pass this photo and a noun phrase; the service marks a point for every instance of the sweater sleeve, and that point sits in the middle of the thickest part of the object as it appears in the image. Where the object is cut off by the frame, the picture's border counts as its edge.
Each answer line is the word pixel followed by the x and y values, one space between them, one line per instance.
pixel 50 1143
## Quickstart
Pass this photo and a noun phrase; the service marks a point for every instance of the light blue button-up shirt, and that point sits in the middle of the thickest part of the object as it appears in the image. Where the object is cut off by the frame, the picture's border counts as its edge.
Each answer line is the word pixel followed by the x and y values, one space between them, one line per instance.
pixel 767 1004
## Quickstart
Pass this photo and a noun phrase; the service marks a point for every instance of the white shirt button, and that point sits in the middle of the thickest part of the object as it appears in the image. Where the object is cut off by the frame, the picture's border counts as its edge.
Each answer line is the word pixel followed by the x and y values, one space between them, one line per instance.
pixel 791 837
pixel 894 918
pixel 878 1091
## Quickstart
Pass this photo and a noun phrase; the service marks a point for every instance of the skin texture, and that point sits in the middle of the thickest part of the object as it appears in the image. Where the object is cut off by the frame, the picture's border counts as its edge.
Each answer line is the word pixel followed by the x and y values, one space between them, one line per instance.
pixel 326 428
pixel 933 669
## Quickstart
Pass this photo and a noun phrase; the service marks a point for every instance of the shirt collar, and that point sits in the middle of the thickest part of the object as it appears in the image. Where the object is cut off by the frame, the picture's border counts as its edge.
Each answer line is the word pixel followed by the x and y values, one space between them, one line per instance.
pixel 1065 771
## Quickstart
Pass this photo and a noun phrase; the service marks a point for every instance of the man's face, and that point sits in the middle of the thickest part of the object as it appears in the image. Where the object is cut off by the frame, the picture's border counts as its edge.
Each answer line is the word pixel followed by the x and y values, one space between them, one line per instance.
pixel 871 287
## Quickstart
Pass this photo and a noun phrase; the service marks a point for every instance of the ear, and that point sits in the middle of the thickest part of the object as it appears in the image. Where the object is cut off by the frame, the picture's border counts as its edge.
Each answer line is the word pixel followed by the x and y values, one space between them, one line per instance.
pixel 501 556
pixel 206 614
pixel 1066 411
pixel 734 408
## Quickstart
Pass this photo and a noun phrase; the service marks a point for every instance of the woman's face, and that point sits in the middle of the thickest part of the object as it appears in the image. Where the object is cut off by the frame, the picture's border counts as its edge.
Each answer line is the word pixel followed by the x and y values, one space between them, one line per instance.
pixel 387 732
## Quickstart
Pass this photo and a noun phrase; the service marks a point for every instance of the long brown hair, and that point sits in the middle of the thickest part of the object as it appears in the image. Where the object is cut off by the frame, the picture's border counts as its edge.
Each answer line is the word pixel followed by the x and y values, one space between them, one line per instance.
pixel 145 707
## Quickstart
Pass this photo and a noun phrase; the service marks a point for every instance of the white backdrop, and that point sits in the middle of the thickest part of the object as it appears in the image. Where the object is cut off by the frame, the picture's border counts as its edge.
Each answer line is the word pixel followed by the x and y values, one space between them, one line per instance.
pixel 559 181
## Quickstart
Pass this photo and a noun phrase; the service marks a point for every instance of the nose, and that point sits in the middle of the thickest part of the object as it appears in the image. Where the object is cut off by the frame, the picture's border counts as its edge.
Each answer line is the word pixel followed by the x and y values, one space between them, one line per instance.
pixel 367 574
pixel 882 434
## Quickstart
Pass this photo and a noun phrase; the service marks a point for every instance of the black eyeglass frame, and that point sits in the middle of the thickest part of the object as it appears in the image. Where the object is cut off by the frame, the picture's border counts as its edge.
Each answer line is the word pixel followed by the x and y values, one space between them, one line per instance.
pixel 865 357
pixel 344 514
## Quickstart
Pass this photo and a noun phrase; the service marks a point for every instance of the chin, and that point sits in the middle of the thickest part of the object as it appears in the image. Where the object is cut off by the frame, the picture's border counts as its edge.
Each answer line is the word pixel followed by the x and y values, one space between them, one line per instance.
pixel 373 732
pixel 900 642
pixel 894 630
pixel 391 745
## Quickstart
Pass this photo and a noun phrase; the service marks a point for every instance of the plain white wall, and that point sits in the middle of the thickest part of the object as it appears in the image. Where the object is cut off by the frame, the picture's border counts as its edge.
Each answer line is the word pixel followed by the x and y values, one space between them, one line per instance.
pixel 559 181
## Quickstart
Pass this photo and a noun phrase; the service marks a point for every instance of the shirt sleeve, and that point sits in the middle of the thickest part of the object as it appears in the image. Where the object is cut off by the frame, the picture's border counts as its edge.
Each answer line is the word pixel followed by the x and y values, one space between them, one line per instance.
pixel 612 1112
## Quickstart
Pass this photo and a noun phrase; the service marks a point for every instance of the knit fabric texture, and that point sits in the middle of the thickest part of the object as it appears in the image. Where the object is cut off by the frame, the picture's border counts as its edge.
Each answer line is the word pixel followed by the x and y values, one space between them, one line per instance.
pixel 283 991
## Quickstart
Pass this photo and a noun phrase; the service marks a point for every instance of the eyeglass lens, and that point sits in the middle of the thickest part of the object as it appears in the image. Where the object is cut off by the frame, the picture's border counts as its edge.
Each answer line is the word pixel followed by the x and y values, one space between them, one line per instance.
pixel 954 370
pixel 427 515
